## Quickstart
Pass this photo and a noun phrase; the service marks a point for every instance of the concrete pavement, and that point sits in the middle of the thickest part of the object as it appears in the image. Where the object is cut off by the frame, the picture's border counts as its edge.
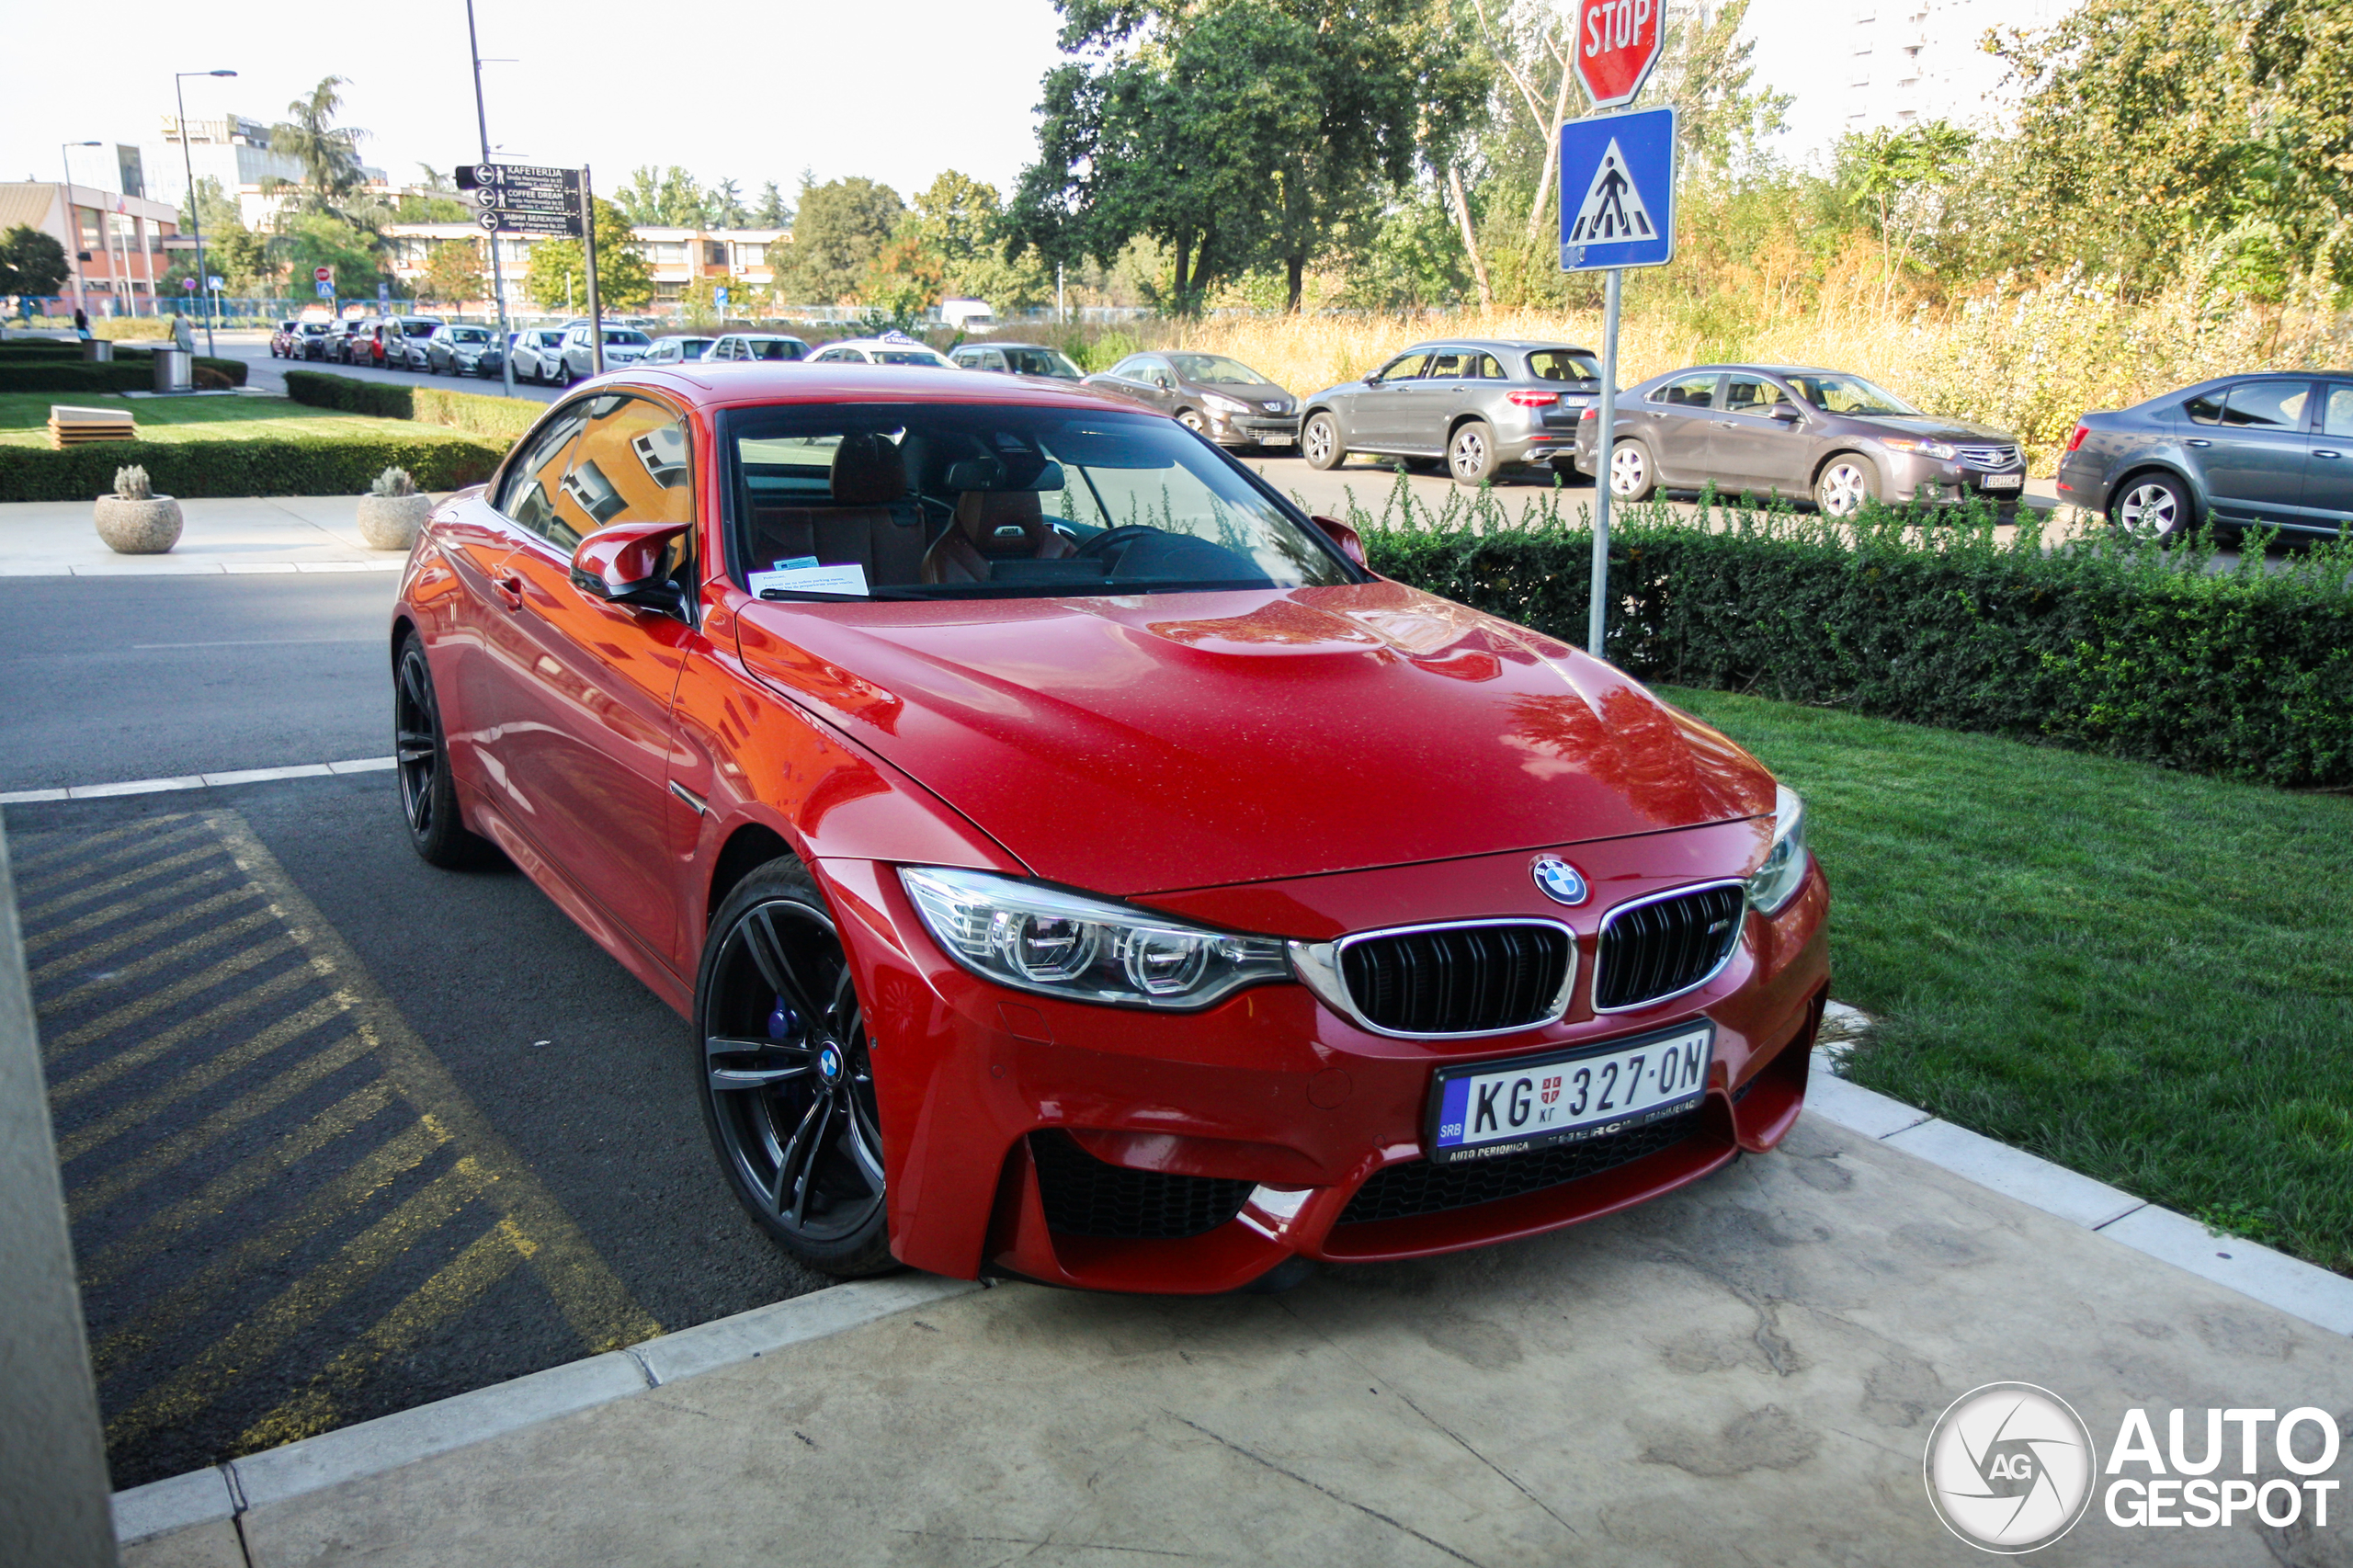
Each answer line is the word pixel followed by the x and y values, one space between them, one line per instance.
pixel 1745 1372
pixel 227 534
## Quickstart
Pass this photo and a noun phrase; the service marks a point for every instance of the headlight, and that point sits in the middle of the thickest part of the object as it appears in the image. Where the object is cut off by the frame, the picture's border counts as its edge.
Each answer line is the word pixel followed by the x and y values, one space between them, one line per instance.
pixel 1936 449
pixel 1060 944
pixel 1225 404
pixel 1774 883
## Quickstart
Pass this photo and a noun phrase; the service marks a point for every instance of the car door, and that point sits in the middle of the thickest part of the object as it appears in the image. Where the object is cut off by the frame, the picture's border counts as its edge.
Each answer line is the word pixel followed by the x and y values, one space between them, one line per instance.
pixel 1680 419
pixel 1443 390
pixel 2328 481
pixel 585 709
pixel 1381 415
pixel 2257 447
pixel 1757 442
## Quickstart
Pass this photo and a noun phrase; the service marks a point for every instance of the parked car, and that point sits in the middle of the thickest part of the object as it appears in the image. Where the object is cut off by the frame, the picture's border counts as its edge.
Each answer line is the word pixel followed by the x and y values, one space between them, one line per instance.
pixel 402 346
pixel 309 340
pixel 1220 398
pixel 491 363
pixel 983 832
pixel 1482 405
pixel 539 355
pixel 756 346
pixel 891 348
pixel 623 346
pixel 1801 432
pixel 2265 448
pixel 971 317
pixel 456 349
pixel 677 350
pixel 1016 359
pixel 336 346
pixel 286 340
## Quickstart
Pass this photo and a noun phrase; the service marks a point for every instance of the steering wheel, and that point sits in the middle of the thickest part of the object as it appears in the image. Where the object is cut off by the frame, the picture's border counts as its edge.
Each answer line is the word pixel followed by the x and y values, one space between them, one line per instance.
pixel 1104 542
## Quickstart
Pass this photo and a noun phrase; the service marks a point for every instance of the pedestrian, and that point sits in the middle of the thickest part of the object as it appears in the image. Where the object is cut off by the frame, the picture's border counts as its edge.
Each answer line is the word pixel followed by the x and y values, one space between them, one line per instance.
pixel 80 323
pixel 182 336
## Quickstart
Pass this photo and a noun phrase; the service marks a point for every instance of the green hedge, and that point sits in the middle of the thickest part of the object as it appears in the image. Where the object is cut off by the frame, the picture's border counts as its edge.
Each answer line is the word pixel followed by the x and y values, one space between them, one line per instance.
pixel 497 418
pixel 131 372
pixel 189 469
pixel 2134 651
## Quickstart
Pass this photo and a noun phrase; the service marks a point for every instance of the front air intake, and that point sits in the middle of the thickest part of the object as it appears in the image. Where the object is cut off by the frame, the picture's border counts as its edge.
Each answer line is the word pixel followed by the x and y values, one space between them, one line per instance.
pixel 1086 1197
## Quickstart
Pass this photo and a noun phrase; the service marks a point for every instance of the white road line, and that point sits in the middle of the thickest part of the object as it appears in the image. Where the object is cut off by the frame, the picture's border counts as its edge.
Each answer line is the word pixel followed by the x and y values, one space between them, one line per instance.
pixel 196 781
pixel 252 643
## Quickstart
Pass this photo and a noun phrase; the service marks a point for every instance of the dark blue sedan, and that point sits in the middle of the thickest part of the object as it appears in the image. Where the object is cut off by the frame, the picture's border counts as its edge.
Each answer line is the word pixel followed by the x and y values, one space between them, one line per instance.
pixel 2274 448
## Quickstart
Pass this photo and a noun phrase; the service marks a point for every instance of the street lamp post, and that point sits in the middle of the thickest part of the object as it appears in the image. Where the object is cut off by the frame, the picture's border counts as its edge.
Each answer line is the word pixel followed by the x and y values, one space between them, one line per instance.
pixel 73 225
pixel 195 217
pixel 497 271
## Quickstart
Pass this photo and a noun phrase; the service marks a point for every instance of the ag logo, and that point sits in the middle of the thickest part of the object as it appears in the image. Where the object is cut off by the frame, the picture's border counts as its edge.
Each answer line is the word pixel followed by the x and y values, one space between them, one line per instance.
pixel 1562 883
pixel 2009 1468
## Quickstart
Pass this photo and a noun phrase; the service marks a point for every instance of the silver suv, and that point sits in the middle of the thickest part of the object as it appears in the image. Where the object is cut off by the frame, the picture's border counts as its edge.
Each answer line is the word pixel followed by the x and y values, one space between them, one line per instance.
pixel 623 346
pixel 1480 404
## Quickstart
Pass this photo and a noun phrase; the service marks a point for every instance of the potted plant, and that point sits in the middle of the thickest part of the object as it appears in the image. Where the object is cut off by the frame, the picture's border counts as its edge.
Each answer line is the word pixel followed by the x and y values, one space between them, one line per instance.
pixel 134 520
pixel 393 510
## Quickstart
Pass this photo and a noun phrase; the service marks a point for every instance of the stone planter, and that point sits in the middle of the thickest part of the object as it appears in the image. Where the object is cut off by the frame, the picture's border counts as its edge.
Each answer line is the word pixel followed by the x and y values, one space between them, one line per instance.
pixel 390 522
pixel 149 526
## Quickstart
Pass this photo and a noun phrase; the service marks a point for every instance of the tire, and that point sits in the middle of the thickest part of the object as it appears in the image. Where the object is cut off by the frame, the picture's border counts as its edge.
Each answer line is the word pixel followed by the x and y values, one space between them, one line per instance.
pixel 1471 453
pixel 421 763
pixel 2155 507
pixel 786 1075
pixel 1192 421
pixel 1319 443
pixel 1845 484
pixel 1634 475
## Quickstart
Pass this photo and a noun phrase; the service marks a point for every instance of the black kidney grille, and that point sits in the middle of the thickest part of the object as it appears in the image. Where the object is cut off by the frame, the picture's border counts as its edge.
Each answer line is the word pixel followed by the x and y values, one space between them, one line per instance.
pixel 1087 1196
pixel 1418 1187
pixel 1657 950
pixel 1464 980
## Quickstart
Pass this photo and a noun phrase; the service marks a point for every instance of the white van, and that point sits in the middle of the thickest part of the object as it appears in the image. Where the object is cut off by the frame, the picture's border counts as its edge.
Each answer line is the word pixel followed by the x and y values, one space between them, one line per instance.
pixel 967 315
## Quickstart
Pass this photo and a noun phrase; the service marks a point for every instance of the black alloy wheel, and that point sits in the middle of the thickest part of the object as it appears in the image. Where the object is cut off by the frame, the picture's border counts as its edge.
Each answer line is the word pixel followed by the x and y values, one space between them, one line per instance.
pixel 421 762
pixel 787 1076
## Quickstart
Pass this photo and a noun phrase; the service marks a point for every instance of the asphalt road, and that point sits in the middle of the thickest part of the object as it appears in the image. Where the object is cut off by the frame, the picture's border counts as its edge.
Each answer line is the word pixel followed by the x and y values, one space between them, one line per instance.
pixel 341 1134
pixel 268 373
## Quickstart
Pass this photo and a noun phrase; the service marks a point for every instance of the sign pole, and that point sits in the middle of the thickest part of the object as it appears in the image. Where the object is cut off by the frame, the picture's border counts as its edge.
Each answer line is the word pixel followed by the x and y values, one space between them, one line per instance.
pixel 588 237
pixel 498 274
pixel 1604 447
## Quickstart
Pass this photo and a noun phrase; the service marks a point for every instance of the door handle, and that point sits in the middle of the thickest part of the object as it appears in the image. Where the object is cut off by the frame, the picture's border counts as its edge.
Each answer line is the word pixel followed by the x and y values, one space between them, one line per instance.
pixel 509 588
pixel 2198 441
pixel 1727 425
pixel 2328 454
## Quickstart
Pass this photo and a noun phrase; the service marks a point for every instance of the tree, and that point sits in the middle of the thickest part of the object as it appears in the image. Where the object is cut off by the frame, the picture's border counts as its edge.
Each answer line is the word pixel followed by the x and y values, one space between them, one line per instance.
pixel 1898 175
pixel 960 224
pixel 329 152
pixel 663 198
pixel 723 206
pixel 232 252
pixel 306 240
pixel 453 273
pixel 773 212
pixel 622 281
pixel 32 263
pixel 841 227
pixel 904 278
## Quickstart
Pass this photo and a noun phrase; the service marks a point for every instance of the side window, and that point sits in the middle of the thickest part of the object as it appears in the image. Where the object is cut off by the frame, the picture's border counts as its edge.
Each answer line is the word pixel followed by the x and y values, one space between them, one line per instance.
pixel 1752 394
pixel 2267 406
pixel 2336 417
pixel 2207 410
pixel 1689 391
pixel 1405 367
pixel 1488 370
pixel 632 464
pixel 528 493
pixel 1450 364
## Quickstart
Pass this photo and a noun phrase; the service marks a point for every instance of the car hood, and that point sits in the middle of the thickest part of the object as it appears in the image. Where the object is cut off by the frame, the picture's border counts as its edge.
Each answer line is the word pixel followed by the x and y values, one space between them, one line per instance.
pixel 1929 427
pixel 1151 743
pixel 1257 396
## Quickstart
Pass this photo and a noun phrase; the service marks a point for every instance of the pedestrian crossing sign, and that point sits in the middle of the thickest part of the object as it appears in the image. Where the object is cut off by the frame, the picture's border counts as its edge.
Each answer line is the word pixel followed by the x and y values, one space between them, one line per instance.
pixel 1617 191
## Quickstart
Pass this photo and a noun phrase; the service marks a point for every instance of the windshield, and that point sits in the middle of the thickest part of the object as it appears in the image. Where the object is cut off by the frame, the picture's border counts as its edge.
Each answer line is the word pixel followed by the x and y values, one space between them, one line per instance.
pixel 627 337
pixel 1216 370
pixel 908 357
pixel 468 334
pixel 890 500
pixel 1848 394
pixel 776 347
pixel 1564 365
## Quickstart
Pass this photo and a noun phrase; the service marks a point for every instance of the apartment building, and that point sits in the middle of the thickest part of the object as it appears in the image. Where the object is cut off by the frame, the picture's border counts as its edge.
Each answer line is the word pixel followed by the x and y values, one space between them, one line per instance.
pixel 114 242
pixel 1861 66
pixel 235 151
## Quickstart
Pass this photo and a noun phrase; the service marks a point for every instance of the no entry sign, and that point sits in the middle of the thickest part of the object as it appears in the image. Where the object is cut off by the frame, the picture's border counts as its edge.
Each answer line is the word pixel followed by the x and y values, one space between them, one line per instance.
pixel 1618 42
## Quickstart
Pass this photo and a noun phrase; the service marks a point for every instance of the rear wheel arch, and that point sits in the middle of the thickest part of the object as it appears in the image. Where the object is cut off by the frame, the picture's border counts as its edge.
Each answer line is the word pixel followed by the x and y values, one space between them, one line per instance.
pixel 2139 472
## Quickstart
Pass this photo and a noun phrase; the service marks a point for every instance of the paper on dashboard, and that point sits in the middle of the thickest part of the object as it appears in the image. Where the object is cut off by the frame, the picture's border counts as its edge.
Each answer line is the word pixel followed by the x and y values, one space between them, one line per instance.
pixel 847 579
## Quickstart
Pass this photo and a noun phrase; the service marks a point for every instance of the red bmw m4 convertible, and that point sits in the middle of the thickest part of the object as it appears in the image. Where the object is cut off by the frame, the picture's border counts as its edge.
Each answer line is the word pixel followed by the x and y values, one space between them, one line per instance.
pixel 1074 863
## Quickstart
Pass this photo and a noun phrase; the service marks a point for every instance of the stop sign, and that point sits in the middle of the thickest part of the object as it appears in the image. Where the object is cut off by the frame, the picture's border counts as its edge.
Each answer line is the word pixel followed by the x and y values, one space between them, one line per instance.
pixel 323 274
pixel 1618 42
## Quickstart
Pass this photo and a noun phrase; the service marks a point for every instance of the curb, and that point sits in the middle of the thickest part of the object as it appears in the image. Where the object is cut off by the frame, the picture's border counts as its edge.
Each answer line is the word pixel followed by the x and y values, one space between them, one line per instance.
pixel 371 1447
pixel 2301 1289
pixel 197 781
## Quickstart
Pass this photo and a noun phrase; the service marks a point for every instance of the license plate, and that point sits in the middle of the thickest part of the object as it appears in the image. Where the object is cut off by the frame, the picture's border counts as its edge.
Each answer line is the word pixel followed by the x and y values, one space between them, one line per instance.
pixel 1275 438
pixel 1480 1111
pixel 2003 481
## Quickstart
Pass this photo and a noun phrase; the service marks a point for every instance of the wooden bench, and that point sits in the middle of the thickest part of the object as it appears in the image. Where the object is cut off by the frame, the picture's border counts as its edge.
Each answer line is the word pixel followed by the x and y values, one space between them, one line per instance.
pixel 74 426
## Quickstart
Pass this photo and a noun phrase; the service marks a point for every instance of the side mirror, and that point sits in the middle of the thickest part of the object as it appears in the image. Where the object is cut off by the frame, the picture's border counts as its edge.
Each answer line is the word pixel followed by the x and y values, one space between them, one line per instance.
pixel 1350 542
pixel 1787 414
pixel 1373 379
pixel 624 565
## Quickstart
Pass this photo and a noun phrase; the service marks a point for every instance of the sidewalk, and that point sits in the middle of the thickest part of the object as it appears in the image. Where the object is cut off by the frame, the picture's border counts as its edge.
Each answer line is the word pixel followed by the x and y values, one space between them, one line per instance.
pixel 1746 1371
pixel 265 533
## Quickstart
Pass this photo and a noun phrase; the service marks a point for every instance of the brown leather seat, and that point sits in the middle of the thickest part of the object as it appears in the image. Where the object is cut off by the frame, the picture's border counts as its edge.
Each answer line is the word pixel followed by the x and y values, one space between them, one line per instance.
pixel 867 523
pixel 992 525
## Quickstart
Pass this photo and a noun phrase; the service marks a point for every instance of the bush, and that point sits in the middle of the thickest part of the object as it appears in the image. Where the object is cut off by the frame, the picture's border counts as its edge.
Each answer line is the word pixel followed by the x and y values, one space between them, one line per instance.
pixel 130 371
pixel 2104 647
pixel 500 419
pixel 306 466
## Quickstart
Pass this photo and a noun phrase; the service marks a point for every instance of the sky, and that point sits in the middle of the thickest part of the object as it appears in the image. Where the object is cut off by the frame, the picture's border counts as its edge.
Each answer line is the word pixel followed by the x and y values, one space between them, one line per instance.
pixel 897 91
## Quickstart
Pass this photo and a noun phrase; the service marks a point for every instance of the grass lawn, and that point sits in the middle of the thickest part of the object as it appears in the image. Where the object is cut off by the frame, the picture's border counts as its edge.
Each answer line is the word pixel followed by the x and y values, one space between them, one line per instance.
pixel 23 419
pixel 2141 974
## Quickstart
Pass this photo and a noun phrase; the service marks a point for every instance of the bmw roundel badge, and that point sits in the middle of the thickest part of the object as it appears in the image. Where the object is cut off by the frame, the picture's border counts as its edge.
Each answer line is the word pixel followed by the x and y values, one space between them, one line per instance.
pixel 1562 883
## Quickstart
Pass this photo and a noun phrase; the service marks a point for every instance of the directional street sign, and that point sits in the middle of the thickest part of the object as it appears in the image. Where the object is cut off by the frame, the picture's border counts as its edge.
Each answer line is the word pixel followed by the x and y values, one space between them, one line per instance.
pixel 524 199
pixel 1618 42
pixel 1617 191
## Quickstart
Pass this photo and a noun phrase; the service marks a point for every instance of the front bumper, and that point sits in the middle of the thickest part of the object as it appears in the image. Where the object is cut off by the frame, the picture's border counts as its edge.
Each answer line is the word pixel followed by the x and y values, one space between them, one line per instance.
pixel 989 1097
pixel 1254 429
pixel 1931 482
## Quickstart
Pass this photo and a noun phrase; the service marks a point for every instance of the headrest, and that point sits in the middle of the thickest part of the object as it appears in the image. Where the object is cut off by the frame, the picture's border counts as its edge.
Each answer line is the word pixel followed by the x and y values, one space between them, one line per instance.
pixel 980 513
pixel 867 471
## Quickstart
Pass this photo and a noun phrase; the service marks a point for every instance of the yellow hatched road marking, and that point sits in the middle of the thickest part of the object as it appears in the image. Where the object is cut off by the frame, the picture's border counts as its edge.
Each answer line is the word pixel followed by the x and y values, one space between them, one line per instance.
pixel 242 1180
pixel 490 1258
pixel 181 917
pixel 76 847
pixel 164 958
pixel 100 1073
pixel 171 995
pixel 144 871
pixel 195 1386
pixel 197 1078
pixel 348 1193
pixel 41 941
pixel 132 1173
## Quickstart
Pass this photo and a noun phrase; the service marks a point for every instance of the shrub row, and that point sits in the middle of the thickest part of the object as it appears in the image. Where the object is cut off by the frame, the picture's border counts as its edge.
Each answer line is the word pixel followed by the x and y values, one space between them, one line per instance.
pixel 133 371
pixel 496 419
pixel 302 466
pixel 2101 646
